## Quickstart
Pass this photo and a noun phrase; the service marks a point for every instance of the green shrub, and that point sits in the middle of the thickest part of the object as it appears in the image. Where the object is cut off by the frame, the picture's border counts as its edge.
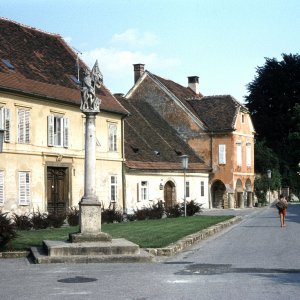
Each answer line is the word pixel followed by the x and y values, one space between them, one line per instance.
pixel 192 207
pixel 22 222
pixel 7 230
pixel 73 216
pixel 154 211
pixel 141 214
pixel 111 215
pixel 56 220
pixel 174 211
pixel 39 220
pixel 157 210
pixel 130 217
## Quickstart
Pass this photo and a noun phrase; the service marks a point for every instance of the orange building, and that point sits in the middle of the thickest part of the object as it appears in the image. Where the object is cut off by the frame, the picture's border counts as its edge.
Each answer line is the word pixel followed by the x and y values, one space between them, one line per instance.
pixel 218 128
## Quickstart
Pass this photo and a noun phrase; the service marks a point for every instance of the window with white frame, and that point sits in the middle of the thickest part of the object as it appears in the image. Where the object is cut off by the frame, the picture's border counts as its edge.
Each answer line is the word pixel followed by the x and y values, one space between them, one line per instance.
pixel 222 154
pixel 113 188
pixel 112 137
pixel 58 131
pixel 202 188
pixel 24 188
pixel 187 189
pixel 5 122
pixel 23 126
pixel 248 154
pixel 239 153
pixel 144 190
pixel 1 187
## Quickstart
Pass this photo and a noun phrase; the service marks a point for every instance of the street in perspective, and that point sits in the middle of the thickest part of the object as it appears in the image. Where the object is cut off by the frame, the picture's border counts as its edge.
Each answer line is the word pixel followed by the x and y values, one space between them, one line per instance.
pixel 254 259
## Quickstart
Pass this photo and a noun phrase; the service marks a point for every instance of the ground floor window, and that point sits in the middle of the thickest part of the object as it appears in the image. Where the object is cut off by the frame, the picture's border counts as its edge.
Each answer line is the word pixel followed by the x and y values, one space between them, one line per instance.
pixel 113 188
pixel 24 188
pixel 144 190
pixel 187 189
pixel 202 189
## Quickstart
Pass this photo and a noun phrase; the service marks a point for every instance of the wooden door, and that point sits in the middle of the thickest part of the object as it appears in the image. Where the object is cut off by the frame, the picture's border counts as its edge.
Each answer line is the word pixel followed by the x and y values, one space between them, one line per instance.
pixel 169 194
pixel 57 190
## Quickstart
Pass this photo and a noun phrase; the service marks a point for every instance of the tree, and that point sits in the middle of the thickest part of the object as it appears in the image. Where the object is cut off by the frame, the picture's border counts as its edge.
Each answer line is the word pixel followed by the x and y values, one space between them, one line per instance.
pixel 265 157
pixel 294 140
pixel 272 101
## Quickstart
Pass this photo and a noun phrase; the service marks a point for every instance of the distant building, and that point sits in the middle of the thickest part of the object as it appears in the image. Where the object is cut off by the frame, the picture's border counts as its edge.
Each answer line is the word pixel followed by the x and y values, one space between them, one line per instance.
pixel 218 128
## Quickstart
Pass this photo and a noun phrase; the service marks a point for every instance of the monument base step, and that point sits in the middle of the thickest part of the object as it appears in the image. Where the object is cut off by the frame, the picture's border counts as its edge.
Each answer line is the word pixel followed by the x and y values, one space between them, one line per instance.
pixel 118 250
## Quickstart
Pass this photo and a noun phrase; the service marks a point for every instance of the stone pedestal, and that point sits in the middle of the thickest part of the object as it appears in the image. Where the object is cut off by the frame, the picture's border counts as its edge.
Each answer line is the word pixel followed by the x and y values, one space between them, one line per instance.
pixel 89 224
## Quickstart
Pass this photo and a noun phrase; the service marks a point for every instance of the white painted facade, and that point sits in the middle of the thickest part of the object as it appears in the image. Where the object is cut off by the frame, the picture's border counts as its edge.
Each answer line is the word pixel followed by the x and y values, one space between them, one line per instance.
pixel 155 188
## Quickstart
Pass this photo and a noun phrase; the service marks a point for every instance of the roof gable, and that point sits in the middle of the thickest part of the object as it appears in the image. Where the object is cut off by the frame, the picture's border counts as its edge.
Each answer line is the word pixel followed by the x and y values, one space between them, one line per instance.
pixel 175 91
pixel 43 65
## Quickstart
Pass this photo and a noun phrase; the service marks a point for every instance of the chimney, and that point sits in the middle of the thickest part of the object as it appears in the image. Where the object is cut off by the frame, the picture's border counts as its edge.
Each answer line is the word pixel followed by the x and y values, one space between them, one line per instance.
pixel 138 71
pixel 194 83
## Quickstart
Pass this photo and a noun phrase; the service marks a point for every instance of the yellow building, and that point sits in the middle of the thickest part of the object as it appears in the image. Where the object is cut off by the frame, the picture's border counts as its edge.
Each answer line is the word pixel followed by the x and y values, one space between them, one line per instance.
pixel 42 163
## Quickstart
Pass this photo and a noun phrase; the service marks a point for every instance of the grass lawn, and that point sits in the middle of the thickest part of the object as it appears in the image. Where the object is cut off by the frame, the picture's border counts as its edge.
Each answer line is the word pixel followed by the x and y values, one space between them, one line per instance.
pixel 147 234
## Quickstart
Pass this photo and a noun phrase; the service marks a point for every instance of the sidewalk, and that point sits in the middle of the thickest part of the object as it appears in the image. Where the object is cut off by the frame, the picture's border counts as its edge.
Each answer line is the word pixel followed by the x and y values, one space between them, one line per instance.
pixel 233 211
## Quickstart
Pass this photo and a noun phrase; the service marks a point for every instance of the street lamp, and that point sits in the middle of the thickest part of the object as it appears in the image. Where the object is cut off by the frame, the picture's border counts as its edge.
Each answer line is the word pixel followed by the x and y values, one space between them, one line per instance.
pixel 185 165
pixel 269 174
pixel 2 131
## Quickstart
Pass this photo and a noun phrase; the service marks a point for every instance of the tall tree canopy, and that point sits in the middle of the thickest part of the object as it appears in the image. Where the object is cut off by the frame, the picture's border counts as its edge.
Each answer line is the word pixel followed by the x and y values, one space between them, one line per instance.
pixel 274 96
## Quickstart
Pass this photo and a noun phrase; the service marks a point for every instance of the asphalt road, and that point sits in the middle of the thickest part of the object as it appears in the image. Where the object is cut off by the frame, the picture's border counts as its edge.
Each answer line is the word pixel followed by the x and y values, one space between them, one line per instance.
pixel 255 259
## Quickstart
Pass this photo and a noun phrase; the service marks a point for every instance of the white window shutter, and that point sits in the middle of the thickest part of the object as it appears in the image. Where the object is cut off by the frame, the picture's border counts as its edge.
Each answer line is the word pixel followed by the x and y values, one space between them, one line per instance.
pixel 27 188
pixel 248 154
pixel 66 132
pixel 50 130
pixel 27 127
pixel 239 154
pixel 20 126
pixel 138 192
pixel 2 126
pixel 7 124
pixel 222 154
pixel 1 187
pixel 24 188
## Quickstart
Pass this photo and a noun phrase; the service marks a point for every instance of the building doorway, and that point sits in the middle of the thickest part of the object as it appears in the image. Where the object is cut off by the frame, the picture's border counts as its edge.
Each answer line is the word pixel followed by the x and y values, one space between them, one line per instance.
pixel 239 194
pixel 57 189
pixel 218 194
pixel 169 194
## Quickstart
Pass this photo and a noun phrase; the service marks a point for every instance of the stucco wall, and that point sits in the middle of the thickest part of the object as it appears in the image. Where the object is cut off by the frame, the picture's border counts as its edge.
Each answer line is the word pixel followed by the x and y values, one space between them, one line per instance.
pixel 156 194
pixel 37 155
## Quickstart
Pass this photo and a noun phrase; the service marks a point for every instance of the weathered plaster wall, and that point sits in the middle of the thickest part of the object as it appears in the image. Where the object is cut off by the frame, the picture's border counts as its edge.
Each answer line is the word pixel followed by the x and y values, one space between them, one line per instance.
pixel 35 156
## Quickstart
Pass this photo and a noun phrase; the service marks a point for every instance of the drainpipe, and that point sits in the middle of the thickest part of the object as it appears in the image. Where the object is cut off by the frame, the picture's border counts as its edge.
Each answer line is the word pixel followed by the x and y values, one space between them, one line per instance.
pixel 123 169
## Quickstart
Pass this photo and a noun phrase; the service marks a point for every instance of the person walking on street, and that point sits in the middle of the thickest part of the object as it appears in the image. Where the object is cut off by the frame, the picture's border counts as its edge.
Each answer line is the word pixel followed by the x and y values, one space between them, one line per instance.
pixel 282 205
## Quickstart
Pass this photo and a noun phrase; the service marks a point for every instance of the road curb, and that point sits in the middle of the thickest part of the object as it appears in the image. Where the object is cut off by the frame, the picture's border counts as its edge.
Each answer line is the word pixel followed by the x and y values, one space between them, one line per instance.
pixel 14 254
pixel 189 240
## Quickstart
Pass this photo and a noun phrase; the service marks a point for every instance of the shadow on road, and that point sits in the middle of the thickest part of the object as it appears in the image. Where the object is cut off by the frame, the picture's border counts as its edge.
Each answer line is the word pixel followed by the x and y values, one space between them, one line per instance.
pixel 285 279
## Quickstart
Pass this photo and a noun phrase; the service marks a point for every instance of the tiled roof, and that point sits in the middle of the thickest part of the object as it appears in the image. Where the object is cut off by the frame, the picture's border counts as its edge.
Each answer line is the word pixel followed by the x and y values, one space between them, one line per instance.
pixel 43 65
pixel 150 143
pixel 218 112
pixel 178 90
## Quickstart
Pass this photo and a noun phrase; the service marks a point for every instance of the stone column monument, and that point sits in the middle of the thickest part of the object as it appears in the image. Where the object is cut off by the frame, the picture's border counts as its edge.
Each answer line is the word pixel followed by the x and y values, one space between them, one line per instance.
pixel 90 207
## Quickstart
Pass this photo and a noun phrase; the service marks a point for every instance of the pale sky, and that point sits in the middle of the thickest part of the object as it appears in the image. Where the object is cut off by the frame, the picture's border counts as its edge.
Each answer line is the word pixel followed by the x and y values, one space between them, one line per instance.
pixel 221 41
